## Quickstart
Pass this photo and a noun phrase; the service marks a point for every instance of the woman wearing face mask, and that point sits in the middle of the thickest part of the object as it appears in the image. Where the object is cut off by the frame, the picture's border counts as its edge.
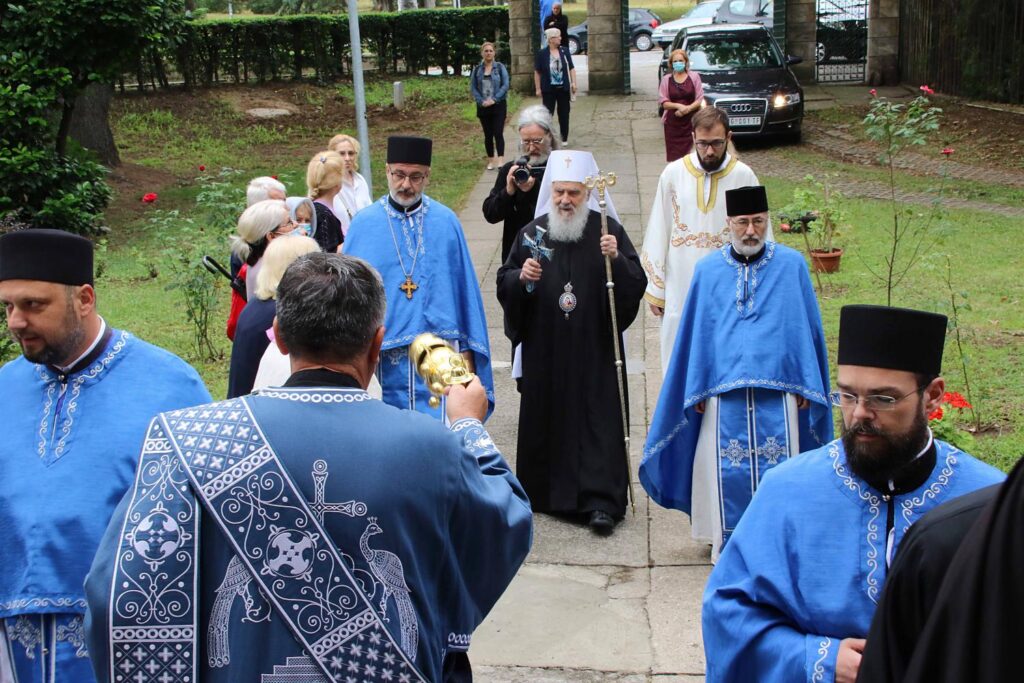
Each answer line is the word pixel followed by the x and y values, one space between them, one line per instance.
pixel 680 95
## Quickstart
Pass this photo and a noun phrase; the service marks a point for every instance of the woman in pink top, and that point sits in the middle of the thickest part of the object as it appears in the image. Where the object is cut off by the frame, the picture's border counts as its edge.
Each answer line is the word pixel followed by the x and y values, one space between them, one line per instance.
pixel 680 95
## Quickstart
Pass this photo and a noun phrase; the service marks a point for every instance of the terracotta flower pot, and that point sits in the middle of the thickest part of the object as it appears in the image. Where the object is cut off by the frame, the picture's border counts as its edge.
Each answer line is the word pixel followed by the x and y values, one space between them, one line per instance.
pixel 825 261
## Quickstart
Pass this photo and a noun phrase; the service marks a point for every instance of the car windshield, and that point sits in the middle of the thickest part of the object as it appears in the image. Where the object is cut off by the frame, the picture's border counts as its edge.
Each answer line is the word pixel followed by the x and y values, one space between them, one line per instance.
pixel 704 10
pixel 732 52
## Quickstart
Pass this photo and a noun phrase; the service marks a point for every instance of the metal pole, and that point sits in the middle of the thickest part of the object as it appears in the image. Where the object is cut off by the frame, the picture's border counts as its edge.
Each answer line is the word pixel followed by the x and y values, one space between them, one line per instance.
pixel 360 93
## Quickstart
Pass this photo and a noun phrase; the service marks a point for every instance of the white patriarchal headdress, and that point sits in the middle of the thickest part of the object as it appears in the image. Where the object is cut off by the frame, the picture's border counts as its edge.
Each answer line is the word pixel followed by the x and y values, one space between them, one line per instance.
pixel 573 166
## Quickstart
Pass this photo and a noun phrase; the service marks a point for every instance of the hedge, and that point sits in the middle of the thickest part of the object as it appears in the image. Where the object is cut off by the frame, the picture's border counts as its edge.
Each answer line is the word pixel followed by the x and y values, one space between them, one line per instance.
pixel 242 50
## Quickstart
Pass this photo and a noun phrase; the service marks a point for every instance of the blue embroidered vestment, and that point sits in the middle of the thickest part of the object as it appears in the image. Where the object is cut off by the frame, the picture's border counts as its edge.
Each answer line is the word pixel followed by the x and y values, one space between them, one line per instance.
pixel 805 566
pixel 744 327
pixel 385 537
pixel 447 300
pixel 67 454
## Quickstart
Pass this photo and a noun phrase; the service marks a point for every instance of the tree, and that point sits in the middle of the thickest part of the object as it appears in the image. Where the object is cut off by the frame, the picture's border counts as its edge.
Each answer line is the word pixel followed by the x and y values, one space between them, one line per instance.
pixel 49 53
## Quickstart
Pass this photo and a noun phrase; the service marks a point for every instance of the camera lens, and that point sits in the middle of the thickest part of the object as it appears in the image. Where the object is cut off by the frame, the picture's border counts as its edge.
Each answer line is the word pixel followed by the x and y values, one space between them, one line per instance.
pixel 521 174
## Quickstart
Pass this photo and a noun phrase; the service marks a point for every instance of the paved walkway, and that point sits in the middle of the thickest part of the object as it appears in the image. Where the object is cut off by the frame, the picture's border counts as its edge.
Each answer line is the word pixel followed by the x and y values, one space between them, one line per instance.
pixel 585 608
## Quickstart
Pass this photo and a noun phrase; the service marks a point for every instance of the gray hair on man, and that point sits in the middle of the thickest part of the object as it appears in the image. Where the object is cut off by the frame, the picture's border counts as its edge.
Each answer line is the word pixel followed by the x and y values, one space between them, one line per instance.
pixel 329 307
pixel 263 188
pixel 538 115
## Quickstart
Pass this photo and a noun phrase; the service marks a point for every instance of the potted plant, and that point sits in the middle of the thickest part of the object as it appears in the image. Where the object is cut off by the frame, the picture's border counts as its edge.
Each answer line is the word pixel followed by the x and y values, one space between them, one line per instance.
pixel 816 211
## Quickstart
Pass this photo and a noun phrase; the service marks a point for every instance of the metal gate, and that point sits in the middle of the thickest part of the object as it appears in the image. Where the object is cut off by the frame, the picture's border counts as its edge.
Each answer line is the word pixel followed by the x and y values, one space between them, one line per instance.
pixel 841 45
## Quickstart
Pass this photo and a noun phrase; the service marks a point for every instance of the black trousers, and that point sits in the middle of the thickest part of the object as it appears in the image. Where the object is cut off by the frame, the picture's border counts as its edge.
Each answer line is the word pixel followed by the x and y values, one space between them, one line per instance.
pixel 492 119
pixel 559 98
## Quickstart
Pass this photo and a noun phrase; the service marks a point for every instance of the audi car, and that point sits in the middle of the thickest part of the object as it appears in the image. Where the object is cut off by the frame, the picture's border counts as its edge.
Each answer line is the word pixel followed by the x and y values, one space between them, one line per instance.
pixel 642 23
pixel 746 74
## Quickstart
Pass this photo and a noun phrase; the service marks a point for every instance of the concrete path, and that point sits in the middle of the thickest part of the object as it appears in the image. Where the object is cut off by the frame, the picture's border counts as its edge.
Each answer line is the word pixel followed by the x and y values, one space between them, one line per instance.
pixel 584 608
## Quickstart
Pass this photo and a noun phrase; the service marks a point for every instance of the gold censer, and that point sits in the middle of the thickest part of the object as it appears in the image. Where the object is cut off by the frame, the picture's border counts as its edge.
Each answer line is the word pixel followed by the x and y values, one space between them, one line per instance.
pixel 438 364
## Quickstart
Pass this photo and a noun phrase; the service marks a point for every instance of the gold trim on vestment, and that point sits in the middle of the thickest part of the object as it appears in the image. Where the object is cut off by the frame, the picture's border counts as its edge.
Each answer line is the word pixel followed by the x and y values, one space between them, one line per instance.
pixel 715 177
pixel 651 299
pixel 659 282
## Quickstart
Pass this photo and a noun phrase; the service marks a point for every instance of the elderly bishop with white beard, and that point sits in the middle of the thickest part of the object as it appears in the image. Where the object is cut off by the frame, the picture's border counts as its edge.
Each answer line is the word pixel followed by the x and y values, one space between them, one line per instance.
pixel 571 457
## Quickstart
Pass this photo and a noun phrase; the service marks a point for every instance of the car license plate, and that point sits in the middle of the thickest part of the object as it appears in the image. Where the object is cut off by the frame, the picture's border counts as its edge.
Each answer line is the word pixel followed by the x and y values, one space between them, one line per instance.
pixel 744 120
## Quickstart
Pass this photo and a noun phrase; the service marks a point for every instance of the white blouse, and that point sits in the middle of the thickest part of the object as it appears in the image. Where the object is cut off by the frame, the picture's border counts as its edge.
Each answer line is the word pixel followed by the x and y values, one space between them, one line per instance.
pixel 351 200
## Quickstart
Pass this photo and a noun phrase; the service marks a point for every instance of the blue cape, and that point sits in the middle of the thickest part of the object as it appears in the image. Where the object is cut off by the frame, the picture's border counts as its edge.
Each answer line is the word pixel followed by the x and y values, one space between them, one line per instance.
pixel 742 327
pixel 448 301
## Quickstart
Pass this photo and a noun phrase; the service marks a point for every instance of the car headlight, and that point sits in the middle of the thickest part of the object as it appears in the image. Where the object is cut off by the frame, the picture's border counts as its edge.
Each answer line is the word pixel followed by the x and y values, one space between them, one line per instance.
pixel 785 100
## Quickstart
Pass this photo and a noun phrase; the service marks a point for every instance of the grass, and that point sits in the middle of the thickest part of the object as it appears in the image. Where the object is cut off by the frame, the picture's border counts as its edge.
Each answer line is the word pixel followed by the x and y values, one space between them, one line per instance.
pixel 983 271
pixel 164 137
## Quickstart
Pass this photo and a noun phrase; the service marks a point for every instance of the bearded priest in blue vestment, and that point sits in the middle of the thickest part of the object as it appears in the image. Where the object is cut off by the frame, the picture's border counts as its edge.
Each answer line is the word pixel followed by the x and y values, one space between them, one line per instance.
pixel 747 386
pixel 792 596
pixel 309 533
pixel 416 244
pixel 76 405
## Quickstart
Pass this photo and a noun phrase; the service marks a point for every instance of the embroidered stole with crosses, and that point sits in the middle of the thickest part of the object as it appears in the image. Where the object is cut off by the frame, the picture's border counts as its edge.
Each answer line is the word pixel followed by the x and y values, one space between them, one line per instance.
pixel 219 455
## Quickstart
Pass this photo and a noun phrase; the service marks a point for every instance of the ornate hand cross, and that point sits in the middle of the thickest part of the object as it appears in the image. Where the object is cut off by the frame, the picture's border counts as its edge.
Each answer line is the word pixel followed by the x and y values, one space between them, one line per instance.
pixel 537 250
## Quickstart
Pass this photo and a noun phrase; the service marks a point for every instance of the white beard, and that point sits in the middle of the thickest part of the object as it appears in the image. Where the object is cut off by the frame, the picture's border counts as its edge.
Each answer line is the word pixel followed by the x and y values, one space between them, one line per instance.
pixel 406 202
pixel 746 249
pixel 568 229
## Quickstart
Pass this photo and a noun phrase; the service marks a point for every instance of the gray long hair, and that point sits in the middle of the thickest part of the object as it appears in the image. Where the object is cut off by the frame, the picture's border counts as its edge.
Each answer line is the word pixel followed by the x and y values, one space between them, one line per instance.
pixel 538 115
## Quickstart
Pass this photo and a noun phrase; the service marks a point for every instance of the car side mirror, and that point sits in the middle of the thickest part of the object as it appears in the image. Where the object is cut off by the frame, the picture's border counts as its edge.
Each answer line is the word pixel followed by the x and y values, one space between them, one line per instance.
pixel 793 59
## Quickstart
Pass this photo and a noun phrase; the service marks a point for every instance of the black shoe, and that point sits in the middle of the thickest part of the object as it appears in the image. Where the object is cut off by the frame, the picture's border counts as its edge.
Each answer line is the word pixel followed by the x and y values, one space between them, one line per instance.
pixel 601 523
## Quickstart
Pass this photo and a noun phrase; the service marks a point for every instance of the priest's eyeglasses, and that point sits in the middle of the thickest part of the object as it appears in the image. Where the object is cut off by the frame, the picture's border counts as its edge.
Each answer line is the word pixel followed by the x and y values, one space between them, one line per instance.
pixel 536 142
pixel 874 402
pixel 414 178
pixel 704 144
pixel 758 222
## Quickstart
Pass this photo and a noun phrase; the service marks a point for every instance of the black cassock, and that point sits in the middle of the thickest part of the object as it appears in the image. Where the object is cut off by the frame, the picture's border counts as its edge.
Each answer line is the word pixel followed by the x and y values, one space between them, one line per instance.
pixel 570 456
pixel 913 583
pixel 975 629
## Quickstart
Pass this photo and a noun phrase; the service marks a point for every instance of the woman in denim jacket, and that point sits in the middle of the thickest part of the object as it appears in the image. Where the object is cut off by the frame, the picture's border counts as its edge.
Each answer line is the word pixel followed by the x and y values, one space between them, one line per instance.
pixel 489 85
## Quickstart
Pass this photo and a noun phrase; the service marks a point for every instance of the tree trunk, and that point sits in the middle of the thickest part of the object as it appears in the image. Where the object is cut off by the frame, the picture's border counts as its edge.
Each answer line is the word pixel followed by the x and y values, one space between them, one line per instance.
pixel 90 124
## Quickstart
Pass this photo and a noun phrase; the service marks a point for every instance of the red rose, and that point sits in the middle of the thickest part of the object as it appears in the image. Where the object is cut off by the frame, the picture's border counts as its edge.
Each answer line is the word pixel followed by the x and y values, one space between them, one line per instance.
pixel 784 227
pixel 873 92
pixel 149 198
pixel 274 177
pixel 201 168
pixel 936 414
pixel 926 90
pixel 947 151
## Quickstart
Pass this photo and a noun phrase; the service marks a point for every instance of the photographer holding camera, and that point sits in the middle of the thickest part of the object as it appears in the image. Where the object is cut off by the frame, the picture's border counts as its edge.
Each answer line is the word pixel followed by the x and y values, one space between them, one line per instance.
pixel 514 196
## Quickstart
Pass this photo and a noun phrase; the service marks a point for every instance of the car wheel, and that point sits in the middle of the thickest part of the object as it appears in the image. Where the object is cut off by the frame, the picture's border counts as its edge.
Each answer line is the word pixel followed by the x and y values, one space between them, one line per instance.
pixel 820 53
pixel 643 42
pixel 574 46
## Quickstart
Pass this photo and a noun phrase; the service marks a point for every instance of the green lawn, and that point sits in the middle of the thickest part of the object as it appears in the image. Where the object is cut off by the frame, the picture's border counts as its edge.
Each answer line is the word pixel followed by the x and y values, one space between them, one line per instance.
pixel 984 279
pixel 165 137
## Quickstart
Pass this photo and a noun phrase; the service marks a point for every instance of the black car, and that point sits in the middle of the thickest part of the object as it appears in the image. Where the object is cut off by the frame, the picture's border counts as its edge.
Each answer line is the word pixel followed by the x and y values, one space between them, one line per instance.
pixel 745 73
pixel 642 23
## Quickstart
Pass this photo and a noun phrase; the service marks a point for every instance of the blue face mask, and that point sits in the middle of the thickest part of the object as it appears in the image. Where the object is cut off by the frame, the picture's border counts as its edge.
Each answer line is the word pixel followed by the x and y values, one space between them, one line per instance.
pixel 302 230
pixel 679 67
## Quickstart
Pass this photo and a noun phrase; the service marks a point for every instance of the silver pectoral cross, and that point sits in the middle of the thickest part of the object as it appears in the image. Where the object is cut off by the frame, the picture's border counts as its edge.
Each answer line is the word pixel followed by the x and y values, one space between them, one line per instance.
pixel 537 249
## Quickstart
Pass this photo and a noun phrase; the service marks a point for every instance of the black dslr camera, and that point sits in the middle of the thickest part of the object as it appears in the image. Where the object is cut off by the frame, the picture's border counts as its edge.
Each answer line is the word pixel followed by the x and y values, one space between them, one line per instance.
pixel 522 170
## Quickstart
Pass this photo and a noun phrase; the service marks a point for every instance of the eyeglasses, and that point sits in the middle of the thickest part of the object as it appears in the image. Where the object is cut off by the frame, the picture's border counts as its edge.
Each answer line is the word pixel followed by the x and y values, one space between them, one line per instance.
pixel 878 403
pixel 414 178
pixel 704 144
pixel 287 226
pixel 533 141
pixel 758 222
